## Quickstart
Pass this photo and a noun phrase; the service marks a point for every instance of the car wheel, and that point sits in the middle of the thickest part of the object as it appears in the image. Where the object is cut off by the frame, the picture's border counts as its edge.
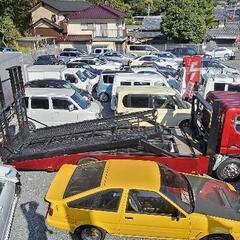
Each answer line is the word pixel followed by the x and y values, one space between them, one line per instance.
pixel 103 97
pixel 229 169
pixel 86 160
pixel 90 233
pixel 226 56
pixel 31 126
pixel 184 123
pixel 61 62
pixel 217 237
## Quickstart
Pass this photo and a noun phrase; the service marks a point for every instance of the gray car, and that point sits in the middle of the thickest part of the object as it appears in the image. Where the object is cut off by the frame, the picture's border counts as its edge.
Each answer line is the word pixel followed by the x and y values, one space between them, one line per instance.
pixel 118 57
pixel 9 191
pixel 65 57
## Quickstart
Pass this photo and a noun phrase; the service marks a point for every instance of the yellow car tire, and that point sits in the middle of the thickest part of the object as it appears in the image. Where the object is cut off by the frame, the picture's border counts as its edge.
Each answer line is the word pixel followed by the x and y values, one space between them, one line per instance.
pixel 90 233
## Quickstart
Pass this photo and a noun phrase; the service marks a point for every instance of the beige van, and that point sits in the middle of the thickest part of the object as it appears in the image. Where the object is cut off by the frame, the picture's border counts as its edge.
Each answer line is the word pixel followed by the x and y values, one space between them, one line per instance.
pixel 172 110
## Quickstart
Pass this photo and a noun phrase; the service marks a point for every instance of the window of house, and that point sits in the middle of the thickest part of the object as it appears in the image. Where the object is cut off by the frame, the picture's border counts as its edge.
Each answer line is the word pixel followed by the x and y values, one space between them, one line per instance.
pixel 70 78
pixel 107 200
pixel 61 104
pixel 40 103
pixel 148 202
pixel 237 123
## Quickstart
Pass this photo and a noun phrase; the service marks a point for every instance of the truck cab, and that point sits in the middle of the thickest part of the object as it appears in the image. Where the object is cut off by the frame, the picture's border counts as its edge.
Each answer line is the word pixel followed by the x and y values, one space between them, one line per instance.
pixel 216 124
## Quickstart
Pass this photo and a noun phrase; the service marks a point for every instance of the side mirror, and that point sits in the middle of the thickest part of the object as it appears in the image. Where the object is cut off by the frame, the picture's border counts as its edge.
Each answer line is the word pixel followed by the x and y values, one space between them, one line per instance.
pixel 71 107
pixel 176 215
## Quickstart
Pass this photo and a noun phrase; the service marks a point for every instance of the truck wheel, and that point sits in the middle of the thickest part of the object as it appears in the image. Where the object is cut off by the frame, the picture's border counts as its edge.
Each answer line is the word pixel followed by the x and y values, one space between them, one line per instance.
pixel 90 233
pixel 229 169
pixel 87 160
pixel 103 97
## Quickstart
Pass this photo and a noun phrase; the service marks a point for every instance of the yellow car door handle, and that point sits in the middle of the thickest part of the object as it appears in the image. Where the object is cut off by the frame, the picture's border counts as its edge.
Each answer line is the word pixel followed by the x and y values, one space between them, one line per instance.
pixel 129 218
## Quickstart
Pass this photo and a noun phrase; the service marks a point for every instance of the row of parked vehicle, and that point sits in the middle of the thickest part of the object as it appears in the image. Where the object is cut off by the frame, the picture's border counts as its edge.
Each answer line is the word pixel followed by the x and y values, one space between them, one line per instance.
pixel 72 92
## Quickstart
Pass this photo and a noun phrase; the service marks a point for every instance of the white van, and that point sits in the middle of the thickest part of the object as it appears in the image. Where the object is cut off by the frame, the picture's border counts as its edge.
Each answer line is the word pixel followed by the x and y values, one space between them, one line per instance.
pixel 76 76
pixel 58 106
pixel 101 50
pixel 135 79
pixel 218 82
pixel 172 110
pixel 141 50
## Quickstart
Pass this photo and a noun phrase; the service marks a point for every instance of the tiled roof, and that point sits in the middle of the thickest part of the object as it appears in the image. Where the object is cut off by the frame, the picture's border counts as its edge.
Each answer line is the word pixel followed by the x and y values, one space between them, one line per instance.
pixel 74 38
pixel 149 34
pixel 66 6
pixel 228 32
pixel 100 11
pixel 151 23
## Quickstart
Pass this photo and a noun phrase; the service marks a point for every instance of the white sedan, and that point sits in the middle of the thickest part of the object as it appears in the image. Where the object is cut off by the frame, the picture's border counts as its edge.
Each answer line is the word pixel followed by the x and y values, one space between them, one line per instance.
pixel 153 58
pixel 221 52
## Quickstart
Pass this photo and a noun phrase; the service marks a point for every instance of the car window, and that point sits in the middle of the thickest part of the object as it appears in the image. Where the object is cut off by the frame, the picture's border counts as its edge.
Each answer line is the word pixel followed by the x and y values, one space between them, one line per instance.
pixel 190 51
pixel 39 103
pixel 107 200
pixel 61 104
pixel 125 83
pixel 148 202
pixel 98 50
pixel 219 86
pixel 164 102
pixel 141 83
pixel 237 123
pixel 108 79
pixel 82 179
pixel 136 101
pixel 70 78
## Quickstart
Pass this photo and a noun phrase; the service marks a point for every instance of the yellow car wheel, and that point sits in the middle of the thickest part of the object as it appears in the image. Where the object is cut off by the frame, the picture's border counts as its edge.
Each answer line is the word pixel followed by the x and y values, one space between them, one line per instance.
pixel 90 233
pixel 218 237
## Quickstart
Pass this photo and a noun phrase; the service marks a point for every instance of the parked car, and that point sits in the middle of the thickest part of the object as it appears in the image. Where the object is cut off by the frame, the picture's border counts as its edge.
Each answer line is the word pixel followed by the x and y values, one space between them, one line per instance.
pixel 58 106
pixel 100 65
pixel 221 52
pixel 154 59
pixel 57 83
pixel 135 79
pixel 78 64
pixel 184 51
pixel 101 50
pixel 46 60
pixel 9 193
pixel 83 52
pixel 214 64
pixel 142 199
pixel 168 56
pixel 172 110
pixel 119 57
pixel 65 57
pixel 104 88
pixel 6 49
pixel 140 50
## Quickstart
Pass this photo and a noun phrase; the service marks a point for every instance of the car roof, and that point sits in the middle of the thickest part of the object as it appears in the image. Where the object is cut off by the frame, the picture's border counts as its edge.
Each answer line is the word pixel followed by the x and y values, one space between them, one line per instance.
pixel 45 68
pixel 131 174
pixel 44 92
pixel 136 77
pixel 146 90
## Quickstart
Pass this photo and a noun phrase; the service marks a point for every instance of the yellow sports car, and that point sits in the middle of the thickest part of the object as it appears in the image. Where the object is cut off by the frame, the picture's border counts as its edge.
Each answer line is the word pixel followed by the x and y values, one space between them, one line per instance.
pixel 141 198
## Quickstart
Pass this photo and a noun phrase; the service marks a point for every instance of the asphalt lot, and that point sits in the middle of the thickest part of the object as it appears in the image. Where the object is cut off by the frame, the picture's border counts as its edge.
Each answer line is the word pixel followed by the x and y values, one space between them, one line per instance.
pixel 29 220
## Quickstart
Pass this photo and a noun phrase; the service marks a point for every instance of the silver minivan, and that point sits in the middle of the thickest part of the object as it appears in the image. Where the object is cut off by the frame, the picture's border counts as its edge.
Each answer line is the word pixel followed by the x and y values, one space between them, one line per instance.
pixel 141 50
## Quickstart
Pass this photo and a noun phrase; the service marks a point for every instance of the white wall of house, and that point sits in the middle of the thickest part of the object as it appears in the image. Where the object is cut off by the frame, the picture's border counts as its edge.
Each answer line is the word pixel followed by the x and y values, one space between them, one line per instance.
pixel 110 45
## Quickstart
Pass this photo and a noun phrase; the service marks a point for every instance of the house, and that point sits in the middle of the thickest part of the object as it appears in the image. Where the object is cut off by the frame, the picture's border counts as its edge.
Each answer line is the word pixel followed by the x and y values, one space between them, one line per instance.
pixel 80 25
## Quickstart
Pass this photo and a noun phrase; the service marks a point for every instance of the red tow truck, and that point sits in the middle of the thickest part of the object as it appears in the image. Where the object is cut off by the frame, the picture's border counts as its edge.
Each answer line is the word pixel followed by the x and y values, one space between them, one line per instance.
pixel 209 143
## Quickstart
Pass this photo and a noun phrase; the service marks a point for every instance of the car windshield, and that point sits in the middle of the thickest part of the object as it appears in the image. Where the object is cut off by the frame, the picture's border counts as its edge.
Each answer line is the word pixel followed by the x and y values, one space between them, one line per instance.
pixel 89 74
pixel 81 101
pixel 176 187
pixel 81 76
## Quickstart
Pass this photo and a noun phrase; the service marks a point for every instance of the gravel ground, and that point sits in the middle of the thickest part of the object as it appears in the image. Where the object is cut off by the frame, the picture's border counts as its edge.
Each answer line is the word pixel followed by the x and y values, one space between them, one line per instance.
pixel 29 219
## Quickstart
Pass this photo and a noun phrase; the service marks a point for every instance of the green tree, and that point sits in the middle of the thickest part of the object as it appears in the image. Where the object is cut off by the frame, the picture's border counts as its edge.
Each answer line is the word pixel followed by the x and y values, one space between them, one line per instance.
pixel 183 21
pixel 8 32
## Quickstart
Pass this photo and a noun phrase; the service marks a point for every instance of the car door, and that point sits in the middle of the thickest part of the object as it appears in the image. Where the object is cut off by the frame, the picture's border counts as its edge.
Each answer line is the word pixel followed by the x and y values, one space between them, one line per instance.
pixel 148 214
pixel 98 209
pixel 40 111
pixel 64 111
